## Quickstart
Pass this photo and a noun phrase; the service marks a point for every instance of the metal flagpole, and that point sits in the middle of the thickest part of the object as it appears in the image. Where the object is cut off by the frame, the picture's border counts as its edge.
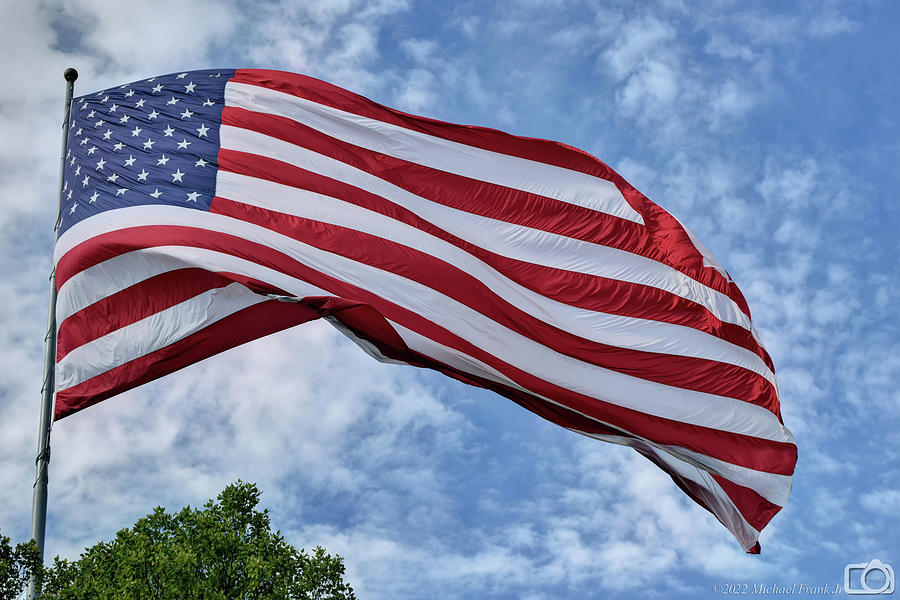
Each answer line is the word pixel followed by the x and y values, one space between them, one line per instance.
pixel 39 502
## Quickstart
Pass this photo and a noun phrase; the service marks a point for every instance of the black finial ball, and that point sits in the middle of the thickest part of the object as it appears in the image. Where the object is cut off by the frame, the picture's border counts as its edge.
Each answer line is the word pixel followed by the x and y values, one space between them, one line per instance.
pixel 70 74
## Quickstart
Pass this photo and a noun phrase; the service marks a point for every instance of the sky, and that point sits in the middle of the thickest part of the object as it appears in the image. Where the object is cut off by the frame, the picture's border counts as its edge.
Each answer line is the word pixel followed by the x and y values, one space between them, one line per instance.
pixel 770 129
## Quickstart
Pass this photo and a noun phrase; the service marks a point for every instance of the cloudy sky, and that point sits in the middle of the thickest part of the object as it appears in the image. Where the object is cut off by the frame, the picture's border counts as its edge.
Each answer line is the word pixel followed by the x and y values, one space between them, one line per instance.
pixel 772 131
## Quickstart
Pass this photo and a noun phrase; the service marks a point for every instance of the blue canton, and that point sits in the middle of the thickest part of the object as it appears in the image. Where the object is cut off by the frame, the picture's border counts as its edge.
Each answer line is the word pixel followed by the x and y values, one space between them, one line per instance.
pixel 154 141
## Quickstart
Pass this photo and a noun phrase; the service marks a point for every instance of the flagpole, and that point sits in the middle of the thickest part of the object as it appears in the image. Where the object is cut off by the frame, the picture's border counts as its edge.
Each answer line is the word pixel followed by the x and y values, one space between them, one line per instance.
pixel 39 501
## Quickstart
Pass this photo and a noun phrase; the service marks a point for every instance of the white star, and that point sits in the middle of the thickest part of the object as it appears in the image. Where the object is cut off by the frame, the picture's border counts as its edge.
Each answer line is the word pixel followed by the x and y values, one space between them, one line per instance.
pixel 192 197
pixel 136 131
pixel 156 193
pixel 85 181
pixel 183 144
pixel 162 160
pixel 186 114
pixel 201 131
pixel 99 123
pixel 189 88
pixel 84 106
pixel 121 191
pixel 119 146
pixel 177 175
pixel 124 119
pixel 151 80
pixel 77 133
pixel 208 102
pixel 90 115
pixel 200 163
pixel 69 195
pixel 157 88
pixel 105 98
pixel 129 93
pixel 173 101
pixel 113 108
pixel 94 197
pixel 112 178
pixel 142 176
pixel 153 114
pixel 130 161
pixel 78 170
pixel 107 135
pixel 148 145
pixel 140 103
pixel 72 210
pixel 181 76
pixel 85 141
pixel 66 184
pixel 168 131
pixel 68 153
pixel 72 161
pixel 91 150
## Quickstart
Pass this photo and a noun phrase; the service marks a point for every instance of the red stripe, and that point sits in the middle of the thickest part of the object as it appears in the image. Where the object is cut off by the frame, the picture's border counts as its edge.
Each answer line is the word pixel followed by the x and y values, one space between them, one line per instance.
pixel 766 455
pixel 772 457
pixel 665 230
pixel 679 371
pixel 739 449
pixel 457 191
pixel 589 292
pixel 142 300
pixel 757 510
pixel 243 326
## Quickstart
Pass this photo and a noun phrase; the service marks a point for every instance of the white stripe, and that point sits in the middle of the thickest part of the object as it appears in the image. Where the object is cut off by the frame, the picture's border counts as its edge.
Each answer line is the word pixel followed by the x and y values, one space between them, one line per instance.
pixel 772 486
pixel 631 333
pixel 523 174
pixel 669 402
pixel 507 239
pixel 109 277
pixel 459 360
pixel 152 333
pixel 626 332
pixel 125 270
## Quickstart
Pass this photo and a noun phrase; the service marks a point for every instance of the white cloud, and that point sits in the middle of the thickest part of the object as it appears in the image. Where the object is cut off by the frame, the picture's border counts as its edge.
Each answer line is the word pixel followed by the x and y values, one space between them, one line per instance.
pixel 419 93
pixel 650 90
pixel 829 22
pixel 763 28
pixel 730 100
pixel 722 46
pixel 641 41
pixel 421 51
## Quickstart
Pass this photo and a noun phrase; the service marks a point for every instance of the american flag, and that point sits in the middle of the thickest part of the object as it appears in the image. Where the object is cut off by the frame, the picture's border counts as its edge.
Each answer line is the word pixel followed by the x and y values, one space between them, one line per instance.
pixel 205 209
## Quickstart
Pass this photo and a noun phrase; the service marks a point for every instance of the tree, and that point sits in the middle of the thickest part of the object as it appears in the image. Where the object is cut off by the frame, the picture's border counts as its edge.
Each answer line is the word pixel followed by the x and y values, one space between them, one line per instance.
pixel 17 565
pixel 225 550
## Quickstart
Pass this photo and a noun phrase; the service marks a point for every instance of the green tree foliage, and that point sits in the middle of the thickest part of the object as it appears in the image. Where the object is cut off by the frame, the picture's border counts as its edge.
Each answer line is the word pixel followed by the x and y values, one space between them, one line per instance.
pixel 226 550
pixel 17 566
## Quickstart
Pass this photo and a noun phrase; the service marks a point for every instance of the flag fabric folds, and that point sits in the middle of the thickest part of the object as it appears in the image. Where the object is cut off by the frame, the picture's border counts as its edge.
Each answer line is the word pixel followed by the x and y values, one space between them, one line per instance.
pixel 205 209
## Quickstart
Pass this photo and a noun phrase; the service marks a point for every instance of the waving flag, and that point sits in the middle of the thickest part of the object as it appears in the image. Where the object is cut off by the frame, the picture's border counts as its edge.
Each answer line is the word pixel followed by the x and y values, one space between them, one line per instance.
pixel 209 208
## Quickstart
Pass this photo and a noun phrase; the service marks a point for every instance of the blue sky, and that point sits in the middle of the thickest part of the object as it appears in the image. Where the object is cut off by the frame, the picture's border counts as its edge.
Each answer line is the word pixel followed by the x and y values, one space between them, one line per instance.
pixel 771 129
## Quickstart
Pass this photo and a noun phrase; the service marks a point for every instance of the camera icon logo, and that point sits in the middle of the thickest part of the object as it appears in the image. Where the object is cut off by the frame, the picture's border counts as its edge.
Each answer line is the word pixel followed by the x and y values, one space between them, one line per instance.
pixel 869 579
